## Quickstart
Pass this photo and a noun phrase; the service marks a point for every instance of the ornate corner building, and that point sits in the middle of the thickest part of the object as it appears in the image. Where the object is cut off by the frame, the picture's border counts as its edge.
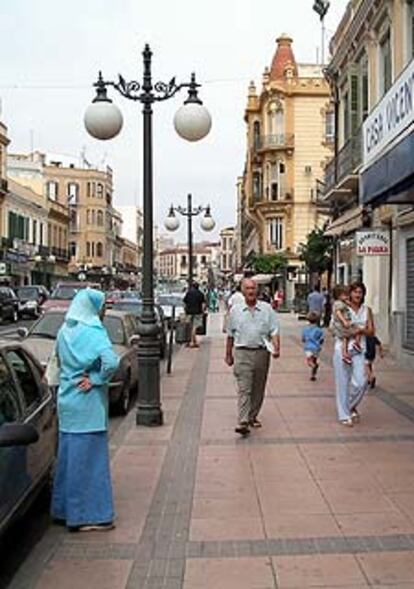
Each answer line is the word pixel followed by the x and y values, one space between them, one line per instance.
pixel 289 141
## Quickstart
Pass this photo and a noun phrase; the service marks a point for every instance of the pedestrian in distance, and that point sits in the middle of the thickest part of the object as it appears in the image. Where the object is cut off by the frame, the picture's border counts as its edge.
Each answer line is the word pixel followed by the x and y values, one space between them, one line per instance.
pixel 195 306
pixel 316 301
pixel 82 491
pixel 342 325
pixel 252 337
pixel 372 343
pixel 351 379
pixel 312 338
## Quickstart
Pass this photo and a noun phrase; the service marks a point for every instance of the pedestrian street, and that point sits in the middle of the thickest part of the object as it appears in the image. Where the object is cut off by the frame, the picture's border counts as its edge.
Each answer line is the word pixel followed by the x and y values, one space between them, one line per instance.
pixel 301 502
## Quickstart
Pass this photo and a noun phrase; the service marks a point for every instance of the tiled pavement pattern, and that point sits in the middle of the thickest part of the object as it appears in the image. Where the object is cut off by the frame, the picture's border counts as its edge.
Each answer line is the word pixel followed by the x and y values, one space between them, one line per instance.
pixel 302 503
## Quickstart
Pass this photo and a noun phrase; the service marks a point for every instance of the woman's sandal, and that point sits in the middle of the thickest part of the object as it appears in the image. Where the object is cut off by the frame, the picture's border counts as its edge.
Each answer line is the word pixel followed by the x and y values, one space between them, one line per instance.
pixel 355 416
pixel 347 422
pixel 347 360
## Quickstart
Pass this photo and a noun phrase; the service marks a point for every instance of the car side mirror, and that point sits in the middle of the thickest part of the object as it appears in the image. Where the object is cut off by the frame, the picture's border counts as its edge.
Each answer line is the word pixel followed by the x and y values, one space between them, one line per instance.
pixel 17 434
pixel 22 332
pixel 133 340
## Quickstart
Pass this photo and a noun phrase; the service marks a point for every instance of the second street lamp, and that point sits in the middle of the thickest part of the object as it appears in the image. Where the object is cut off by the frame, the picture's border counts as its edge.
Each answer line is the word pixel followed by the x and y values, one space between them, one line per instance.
pixel 103 120
pixel 172 223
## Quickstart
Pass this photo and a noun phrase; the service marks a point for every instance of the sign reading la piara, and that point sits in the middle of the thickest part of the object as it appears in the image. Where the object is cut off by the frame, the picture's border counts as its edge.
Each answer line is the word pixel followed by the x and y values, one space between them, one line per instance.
pixel 375 242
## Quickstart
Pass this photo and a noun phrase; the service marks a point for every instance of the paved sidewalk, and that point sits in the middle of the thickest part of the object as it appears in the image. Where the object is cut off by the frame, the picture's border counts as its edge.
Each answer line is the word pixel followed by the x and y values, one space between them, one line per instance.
pixel 303 502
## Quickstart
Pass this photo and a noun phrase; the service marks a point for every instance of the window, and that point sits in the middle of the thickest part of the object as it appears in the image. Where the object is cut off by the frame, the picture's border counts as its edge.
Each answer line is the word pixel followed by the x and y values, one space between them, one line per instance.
pixel 24 376
pixel 9 402
pixel 99 190
pixel 385 64
pixel 99 218
pixel 72 249
pixel 99 249
pixel 257 186
pixel 53 190
pixel 224 243
pixel 93 249
pixel 88 217
pixel 34 231
pixel 329 126
pixel 55 236
pixel 93 217
pixel 73 193
pixel 346 126
pixel 88 249
pixel 183 260
pixel 276 232
pixel 364 88
pixel 256 134
pixel 408 20
pixel 18 226
pixel 40 233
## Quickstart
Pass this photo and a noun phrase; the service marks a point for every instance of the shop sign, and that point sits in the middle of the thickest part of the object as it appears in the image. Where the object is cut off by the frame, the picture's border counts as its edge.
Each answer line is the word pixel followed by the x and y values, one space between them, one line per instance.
pixel 391 116
pixel 375 242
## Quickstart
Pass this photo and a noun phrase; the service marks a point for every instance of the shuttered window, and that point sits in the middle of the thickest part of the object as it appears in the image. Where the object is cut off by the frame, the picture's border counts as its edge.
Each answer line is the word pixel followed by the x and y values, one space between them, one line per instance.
pixel 409 332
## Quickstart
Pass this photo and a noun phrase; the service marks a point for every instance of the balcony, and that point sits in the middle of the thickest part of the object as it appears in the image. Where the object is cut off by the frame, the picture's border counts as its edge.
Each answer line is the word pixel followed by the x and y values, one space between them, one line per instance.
pixel 274 142
pixel 345 165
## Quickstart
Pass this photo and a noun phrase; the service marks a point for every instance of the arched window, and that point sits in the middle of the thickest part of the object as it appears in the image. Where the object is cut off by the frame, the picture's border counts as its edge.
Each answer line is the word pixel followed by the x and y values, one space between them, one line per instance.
pixel 88 217
pixel 99 250
pixel 257 186
pixel 99 190
pixel 99 218
pixel 93 249
pixel 256 134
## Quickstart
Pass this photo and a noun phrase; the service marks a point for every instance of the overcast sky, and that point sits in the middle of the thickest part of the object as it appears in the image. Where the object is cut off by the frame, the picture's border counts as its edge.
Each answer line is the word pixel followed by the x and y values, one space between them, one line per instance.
pixel 52 50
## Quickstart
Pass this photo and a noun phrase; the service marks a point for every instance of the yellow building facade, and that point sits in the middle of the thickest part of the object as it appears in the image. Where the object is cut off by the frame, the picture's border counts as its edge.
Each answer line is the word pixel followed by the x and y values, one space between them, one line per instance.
pixel 289 140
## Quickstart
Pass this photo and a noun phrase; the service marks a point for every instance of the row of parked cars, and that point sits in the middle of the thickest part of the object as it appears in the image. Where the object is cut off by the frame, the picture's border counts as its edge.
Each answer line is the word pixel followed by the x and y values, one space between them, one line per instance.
pixel 28 424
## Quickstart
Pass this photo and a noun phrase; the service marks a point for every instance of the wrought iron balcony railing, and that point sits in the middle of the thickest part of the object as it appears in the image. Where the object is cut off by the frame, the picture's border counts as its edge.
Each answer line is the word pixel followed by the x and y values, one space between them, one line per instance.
pixel 279 141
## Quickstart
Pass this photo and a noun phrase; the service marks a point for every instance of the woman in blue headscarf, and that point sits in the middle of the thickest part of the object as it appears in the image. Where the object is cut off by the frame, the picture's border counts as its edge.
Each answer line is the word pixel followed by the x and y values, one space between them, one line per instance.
pixel 82 491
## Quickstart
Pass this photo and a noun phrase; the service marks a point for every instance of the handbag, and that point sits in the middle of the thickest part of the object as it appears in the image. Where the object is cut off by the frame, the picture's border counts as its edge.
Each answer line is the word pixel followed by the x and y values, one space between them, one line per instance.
pixel 52 371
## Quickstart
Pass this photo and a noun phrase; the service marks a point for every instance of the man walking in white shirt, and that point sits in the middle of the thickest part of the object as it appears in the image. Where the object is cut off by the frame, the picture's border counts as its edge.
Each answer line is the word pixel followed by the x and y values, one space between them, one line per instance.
pixel 252 331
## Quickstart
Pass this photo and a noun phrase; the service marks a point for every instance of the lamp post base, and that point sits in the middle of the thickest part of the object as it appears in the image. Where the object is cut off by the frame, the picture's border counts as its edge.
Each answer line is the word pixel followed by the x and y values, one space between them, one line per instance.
pixel 149 416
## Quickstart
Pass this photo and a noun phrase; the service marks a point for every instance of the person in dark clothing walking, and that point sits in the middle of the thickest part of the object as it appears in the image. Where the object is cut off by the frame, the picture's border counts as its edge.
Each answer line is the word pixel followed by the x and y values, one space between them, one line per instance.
pixel 195 304
pixel 372 342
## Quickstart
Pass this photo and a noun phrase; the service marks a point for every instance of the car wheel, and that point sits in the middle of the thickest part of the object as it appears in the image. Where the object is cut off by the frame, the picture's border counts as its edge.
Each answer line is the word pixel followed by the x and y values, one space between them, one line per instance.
pixel 124 401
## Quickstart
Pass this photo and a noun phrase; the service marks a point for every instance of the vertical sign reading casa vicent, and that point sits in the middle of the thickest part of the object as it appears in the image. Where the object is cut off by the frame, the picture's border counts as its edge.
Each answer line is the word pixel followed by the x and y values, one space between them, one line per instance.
pixel 391 116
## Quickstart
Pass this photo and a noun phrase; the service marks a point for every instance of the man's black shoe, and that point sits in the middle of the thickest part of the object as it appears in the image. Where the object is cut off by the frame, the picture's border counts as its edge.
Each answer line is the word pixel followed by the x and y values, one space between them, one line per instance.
pixel 243 429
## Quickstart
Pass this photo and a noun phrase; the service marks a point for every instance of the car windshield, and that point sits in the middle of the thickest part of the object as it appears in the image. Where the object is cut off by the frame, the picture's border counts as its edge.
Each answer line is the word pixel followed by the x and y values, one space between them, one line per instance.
pixel 48 325
pixel 64 293
pixel 170 300
pixel 27 292
pixel 133 307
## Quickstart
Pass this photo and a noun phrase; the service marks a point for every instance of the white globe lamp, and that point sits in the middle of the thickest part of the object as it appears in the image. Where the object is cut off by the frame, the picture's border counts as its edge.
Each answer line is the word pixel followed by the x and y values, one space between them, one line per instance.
pixel 171 223
pixel 103 119
pixel 192 121
pixel 207 222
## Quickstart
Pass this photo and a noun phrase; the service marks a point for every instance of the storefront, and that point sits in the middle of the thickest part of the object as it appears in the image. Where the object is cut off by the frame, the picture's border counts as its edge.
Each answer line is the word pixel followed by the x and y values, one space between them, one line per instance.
pixel 387 178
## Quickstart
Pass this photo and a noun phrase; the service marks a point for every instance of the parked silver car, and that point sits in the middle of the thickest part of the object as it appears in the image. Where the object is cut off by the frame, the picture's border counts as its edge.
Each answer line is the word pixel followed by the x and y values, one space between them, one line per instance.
pixel 28 431
pixel 121 327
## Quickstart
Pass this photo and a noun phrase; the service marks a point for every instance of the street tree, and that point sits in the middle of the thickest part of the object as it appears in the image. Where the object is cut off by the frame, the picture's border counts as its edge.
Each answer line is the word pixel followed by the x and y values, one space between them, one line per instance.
pixel 317 254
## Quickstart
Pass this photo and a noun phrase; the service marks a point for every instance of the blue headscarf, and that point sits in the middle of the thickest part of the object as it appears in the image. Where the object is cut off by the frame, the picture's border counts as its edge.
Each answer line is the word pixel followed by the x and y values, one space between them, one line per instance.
pixel 85 308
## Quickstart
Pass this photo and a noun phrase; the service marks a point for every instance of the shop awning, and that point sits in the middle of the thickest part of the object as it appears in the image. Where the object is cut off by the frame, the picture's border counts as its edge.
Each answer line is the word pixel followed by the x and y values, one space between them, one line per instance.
pixel 390 179
pixel 346 223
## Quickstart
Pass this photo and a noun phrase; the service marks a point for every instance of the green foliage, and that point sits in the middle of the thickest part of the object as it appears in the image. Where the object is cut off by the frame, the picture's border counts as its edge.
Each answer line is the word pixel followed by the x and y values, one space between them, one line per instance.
pixel 317 252
pixel 268 263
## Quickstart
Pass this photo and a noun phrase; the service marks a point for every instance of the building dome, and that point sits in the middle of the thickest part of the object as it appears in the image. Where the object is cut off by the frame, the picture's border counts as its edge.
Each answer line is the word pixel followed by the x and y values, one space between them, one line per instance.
pixel 284 63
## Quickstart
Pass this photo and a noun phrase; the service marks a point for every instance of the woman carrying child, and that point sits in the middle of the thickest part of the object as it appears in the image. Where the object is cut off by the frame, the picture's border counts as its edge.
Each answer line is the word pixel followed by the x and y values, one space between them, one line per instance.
pixel 351 378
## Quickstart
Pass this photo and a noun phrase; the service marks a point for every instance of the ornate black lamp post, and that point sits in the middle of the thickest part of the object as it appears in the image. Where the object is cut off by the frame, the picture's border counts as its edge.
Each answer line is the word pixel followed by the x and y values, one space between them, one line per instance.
pixel 207 223
pixel 103 120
